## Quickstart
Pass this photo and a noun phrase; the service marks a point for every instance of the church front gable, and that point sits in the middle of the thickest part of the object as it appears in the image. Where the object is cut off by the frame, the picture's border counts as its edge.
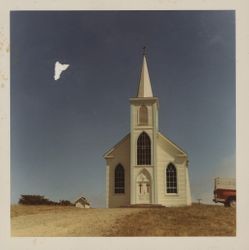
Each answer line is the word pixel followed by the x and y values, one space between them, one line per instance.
pixel 115 149
pixel 170 147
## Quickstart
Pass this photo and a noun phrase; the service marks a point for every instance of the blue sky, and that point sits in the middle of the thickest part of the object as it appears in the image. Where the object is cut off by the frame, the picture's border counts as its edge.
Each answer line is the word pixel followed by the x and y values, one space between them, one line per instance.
pixel 61 129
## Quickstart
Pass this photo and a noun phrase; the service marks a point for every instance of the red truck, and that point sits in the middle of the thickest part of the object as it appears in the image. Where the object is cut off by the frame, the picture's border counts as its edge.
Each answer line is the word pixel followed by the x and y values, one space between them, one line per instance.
pixel 225 191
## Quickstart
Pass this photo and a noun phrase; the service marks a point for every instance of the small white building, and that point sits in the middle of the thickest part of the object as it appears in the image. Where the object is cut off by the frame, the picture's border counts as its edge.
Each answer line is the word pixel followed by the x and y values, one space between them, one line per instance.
pixel 145 167
pixel 82 203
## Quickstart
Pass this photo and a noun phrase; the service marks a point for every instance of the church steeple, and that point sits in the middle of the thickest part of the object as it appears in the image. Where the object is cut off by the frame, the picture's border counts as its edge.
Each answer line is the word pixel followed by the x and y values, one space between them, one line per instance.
pixel 143 137
pixel 144 88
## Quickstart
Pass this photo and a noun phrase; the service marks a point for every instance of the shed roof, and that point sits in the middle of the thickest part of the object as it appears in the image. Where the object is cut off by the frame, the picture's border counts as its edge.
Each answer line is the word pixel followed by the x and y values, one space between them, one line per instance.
pixel 82 200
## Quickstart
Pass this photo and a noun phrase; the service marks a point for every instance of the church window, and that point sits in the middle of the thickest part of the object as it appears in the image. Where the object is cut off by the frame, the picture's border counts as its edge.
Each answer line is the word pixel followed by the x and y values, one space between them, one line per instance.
pixel 143 150
pixel 119 179
pixel 171 179
pixel 143 115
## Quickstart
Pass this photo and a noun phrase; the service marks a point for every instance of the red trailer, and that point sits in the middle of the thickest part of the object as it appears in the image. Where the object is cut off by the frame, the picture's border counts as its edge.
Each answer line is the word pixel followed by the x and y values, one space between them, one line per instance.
pixel 225 191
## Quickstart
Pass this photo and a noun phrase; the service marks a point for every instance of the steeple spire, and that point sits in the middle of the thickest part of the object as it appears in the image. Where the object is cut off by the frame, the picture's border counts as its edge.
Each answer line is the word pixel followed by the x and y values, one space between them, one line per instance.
pixel 144 88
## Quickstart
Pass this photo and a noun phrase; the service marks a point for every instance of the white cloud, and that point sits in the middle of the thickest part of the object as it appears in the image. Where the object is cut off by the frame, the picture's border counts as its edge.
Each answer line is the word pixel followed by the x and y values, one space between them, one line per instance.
pixel 58 69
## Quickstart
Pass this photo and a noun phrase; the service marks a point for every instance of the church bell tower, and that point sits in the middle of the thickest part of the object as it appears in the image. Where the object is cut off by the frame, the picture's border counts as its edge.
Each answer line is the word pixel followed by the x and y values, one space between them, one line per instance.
pixel 143 141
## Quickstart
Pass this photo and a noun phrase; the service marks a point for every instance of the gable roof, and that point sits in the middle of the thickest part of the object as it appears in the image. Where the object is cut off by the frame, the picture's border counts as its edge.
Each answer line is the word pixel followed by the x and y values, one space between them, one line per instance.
pixel 82 200
pixel 173 144
pixel 107 154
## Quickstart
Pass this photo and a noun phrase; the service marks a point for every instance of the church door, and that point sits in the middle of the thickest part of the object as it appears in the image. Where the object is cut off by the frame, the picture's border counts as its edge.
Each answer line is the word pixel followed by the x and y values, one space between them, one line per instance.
pixel 143 188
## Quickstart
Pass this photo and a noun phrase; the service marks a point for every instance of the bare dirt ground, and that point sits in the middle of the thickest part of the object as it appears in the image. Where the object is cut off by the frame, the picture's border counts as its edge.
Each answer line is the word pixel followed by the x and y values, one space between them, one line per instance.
pixel 197 220
pixel 64 221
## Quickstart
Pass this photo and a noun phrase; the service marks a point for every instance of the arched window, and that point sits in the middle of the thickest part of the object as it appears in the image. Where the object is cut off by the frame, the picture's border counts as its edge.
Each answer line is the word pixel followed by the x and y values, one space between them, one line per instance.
pixel 171 179
pixel 143 115
pixel 119 181
pixel 143 150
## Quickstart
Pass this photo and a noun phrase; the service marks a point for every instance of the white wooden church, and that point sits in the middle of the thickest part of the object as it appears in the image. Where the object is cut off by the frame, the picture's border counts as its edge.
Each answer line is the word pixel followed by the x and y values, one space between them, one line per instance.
pixel 145 167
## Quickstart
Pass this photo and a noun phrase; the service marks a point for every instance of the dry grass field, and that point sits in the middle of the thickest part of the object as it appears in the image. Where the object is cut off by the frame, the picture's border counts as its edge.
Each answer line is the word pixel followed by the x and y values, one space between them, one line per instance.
pixel 197 220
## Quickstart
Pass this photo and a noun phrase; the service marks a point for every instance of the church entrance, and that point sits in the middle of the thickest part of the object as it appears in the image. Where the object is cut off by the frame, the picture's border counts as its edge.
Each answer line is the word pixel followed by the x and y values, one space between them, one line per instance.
pixel 143 188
